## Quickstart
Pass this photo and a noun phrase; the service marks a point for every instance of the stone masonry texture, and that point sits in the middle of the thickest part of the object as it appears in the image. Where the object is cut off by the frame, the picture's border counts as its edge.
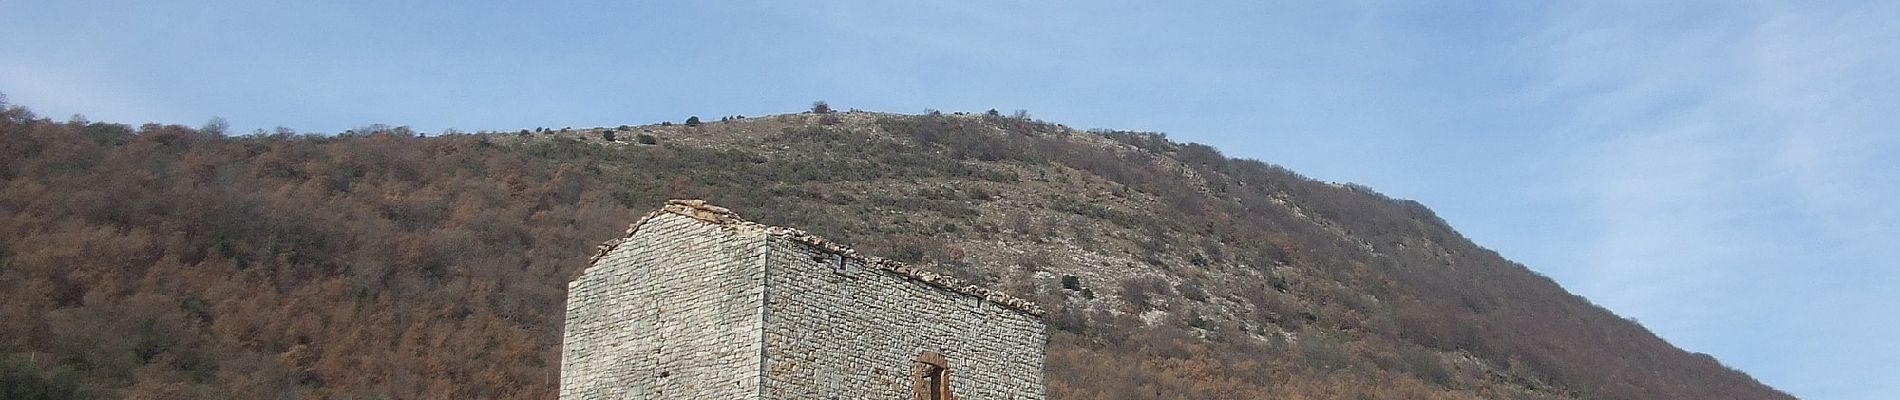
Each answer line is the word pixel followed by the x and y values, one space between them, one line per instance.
pixel 696 303
pixel 673 315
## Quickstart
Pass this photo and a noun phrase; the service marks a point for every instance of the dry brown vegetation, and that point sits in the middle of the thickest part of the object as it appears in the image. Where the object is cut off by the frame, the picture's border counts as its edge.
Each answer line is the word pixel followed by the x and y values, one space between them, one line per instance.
pixel 167 262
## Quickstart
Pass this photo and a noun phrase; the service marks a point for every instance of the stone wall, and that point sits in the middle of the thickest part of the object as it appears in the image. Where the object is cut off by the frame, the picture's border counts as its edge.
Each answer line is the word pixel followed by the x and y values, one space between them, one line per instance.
pixel 835 324
pixel 671 312
pixel 696 303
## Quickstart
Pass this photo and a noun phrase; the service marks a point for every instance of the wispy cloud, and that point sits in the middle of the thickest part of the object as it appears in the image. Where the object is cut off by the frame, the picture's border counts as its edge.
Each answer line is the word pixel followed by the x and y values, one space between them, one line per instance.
pixel 1732 164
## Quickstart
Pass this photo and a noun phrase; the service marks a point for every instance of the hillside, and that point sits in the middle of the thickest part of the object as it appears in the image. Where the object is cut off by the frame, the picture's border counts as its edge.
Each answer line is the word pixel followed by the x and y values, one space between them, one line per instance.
pixel 169 262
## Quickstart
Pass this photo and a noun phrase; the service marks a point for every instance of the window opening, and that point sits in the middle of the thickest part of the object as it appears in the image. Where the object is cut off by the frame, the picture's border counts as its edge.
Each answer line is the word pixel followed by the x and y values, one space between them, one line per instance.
pixel 932 377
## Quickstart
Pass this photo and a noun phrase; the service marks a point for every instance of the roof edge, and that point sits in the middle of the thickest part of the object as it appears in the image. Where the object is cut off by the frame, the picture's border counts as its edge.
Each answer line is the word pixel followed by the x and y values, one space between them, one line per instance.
pixel 706 212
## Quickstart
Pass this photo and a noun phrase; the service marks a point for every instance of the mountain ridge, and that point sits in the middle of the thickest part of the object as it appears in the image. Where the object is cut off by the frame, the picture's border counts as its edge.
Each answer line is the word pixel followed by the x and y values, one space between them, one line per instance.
pixel 1169 270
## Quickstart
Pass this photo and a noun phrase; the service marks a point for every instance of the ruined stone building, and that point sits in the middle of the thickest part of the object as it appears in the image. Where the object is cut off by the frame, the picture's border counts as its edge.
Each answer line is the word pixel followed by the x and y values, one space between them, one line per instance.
pixel 695 303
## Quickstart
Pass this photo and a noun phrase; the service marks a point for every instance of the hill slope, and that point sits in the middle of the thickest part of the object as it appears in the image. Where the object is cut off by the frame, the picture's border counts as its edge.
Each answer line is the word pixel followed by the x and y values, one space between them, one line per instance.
pixel 164 261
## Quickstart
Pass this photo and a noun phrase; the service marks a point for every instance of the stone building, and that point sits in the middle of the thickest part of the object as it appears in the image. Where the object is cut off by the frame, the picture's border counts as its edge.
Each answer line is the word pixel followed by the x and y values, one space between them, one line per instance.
pixel 695 303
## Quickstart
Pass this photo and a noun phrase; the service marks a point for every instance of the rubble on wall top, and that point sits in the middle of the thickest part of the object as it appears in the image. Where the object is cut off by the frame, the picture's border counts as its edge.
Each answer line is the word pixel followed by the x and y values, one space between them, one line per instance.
pixel 703 211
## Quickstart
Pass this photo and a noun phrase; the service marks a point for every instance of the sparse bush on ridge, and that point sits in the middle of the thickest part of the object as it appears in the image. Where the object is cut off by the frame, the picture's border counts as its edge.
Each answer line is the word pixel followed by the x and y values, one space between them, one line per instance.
pixel 169 262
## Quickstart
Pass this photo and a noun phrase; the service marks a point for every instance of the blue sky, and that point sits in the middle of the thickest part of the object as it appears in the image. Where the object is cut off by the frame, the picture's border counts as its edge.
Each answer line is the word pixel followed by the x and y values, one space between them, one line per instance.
pixel 1721 171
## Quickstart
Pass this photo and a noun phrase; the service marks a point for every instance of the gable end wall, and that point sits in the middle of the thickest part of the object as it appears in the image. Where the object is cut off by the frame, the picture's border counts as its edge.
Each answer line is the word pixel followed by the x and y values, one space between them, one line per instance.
pixel 672 312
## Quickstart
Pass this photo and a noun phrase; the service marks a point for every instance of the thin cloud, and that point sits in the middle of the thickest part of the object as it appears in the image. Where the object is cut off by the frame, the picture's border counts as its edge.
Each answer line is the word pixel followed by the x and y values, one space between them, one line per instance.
pixel 1728 161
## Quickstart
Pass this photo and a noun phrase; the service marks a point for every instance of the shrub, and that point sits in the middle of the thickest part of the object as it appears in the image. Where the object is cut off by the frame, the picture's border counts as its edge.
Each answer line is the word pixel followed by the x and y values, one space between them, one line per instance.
pixel 109 134
pixel 1426 365
pixel 215 126
pixel 607 135
pixel 20 379
pixel 646 139
pixel 1191 291
pixel 819 107
pixel 1320 354
pixel 1033 261
pixel 692 121
pixel 1142 291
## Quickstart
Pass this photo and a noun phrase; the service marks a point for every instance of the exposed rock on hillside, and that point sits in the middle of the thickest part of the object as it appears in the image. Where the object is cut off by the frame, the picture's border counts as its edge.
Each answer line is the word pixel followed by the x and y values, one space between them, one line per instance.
pixel 164 262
